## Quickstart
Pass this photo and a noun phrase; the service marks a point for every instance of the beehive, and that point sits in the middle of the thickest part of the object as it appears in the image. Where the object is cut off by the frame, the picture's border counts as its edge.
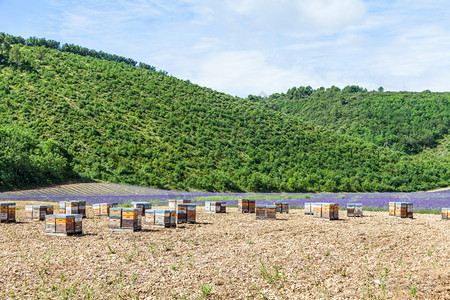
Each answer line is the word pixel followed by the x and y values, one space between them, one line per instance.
pixel 38 212
pixel 215 207
pixel 160 217
pixel 445 213
pixel 143 206
pixel 243 205
pixel 7 212
pixel 308 208
pixel 404 209
pixel 260 212
pixel 102 209
pixel 271 212
pixel 64 224
pixel 354 209
pixel 125 219
pixel 392 209
pixel 181 209
pixel 191 213
pixel 246 206
pixel 282 207
pixel 73 207
pixel 330 211
pixel 173 203
pixel 316 209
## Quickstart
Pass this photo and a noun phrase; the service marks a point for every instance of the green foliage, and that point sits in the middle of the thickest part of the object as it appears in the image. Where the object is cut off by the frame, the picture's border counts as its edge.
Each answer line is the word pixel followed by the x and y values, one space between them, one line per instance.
pixel 109 120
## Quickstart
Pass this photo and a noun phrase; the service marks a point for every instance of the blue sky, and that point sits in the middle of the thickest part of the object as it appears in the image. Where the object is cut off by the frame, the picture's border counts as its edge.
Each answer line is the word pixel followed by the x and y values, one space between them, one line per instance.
pixel 244 47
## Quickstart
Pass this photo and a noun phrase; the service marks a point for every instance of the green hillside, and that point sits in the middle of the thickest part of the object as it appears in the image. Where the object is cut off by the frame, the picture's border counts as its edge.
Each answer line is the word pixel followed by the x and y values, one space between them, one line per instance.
pixel 405 121
pixel 87 114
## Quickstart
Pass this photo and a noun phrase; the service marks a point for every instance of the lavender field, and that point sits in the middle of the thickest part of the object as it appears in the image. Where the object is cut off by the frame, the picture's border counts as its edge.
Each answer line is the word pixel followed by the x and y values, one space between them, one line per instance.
pixel 102 192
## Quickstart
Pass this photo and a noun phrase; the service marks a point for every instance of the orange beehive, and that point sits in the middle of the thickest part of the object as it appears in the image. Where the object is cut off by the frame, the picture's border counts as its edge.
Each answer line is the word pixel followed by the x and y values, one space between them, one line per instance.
pixel 102 209
pixel 243 205
pixel 330 211
pixel 392 209
pixel 404 209
pixel 445 213
pixel 64 224
pixel 38 212
pixel 7 212
pixel 73 207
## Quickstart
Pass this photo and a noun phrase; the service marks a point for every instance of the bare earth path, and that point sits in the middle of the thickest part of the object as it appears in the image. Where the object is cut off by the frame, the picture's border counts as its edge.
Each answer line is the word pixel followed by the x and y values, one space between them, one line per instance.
pixel 294 257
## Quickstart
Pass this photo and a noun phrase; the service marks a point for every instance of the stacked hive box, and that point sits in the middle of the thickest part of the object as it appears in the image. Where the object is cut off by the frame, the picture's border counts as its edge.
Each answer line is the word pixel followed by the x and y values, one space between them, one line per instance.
pixel 7 212
pixel 173 203
pixel 246 206
pixel 316 209
pixel 38 212
pixel 330 211
pixel 445 213
pixel 308 208
pixel 124 219
pixel 73 207
pixel 69 224
pixel 191 213
pixel 215 207
pixel 282 207
pixel 403 209
pixel 161 217
pixel 181 210
pixel 266 211
pixel 354 209
pixel 143 206
pixel 392 209
pixel 102 209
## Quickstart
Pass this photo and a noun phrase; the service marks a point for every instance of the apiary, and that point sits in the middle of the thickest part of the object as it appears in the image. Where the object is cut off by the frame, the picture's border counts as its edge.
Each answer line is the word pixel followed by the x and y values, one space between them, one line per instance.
pixel 404 209
pixel 354 209
pixel 73 207
pixel 102 209
pixel 38 212
pixel 143 206
pixel 7 212
pixel 260 212
pixel 445 213
pixel 160 217
pixel 330 211
pixel 125 219
pixel 215 207
pixel 191 213
pixel 173 203
pixel 308 208
pixel 282 207
pixel 64 224
pixel 316 209
pixel 392 209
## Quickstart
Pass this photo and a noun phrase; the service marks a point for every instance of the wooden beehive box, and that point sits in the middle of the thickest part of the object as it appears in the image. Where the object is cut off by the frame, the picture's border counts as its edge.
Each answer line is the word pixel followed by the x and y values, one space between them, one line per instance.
pixel 251 206
pixel 243 205
pixel 392 206
pixel 271 212
pixel 191 211
pixel 174 202
pixel 260 210
pixel 64 224
pixel 316 209
pixel 131 219
pixel 102 209
pixel 143 206
pixel 7 212
pixel 38 212
pixel 354 210
pixel 445 213
pixel 161 217
pixel 404 210
pixel 308 208
pixel 330 211
pixel 282 207
pixel 215 207
pixel 181 210
pixel 73 207
pixel 115 218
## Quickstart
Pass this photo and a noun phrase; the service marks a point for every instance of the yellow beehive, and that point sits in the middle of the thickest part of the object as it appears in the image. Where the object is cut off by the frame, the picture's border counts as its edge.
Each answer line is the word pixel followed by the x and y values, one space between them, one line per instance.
pixel 7 212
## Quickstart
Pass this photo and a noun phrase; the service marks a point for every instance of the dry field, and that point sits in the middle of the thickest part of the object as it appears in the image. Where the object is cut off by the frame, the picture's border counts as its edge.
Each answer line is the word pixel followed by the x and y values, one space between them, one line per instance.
pixel 231 256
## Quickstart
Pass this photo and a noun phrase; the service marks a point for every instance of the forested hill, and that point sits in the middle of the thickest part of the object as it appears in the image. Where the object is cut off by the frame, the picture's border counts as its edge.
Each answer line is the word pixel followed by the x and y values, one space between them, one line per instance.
pixel 405 121
pixel 66 115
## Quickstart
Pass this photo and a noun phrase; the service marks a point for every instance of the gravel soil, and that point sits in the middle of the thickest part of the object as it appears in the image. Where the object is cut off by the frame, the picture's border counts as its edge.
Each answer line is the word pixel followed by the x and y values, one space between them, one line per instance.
pixel 231 256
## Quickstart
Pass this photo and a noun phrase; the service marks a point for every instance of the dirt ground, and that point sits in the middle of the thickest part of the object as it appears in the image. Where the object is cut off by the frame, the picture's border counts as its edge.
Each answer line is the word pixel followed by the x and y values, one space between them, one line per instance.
pixel 231 256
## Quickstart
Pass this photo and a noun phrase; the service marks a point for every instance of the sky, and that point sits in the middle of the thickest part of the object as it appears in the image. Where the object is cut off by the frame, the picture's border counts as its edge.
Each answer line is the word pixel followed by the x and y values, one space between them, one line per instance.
pixel 257 47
